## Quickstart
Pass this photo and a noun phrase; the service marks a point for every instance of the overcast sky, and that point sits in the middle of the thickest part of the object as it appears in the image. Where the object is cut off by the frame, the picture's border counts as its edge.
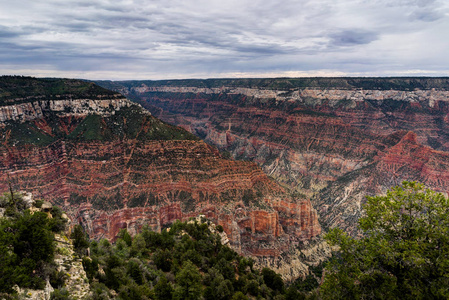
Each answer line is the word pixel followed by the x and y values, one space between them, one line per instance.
pixel 161 39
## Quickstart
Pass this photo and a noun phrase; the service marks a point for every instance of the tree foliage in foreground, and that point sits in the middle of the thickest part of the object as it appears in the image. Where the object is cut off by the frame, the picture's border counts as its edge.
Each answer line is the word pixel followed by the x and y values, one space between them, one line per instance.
pixel 186 261
pixel 404 253
pixel 26 244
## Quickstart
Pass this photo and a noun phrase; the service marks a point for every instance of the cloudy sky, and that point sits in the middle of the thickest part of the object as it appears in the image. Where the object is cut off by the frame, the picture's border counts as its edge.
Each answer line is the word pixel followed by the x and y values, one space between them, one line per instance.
pixel 160 39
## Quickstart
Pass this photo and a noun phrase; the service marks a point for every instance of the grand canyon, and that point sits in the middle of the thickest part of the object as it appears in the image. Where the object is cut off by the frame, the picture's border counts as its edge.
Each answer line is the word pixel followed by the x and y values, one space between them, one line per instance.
pixel 332 140
pixel 224 150
pixel 276 162
pixel 111 165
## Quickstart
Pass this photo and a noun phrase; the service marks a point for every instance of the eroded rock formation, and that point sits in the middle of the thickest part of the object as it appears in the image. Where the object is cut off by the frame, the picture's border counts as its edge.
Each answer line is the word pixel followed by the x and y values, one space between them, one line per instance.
pixel 111 165
pixel 126 184
pixel 334 140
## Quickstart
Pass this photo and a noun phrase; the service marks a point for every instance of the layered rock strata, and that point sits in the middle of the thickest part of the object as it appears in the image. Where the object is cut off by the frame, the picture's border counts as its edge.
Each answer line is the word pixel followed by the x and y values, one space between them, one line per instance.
pixel 28 111
pixel 111 165
pixel 125 184
pixel 335 145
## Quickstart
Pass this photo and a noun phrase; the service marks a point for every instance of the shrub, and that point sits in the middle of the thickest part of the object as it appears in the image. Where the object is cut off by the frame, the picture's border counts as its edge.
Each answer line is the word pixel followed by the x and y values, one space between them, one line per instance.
pixel 60 294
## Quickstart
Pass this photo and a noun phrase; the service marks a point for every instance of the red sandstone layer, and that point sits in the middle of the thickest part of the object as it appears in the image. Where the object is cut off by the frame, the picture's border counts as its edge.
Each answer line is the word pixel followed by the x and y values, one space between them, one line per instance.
pixel 126 184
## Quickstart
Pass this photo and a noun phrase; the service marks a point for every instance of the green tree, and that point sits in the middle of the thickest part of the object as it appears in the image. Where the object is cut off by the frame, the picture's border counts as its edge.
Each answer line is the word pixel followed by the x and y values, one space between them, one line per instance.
pixel 293 294
pixel 224 290
pixel 13 202
pixel 272 279
pixel 163 289
pixel 239 296
pixel 60 294
pixel 90 266
pixel 163 259
pixel 57 223
pixel 225 268
pixel 9 258
pixel 138 245
pixel 188 282
pixel 134 271
pixel 80 240
pixel 217 287
pixel 252 287
pixel 404 251
pixel 27 250
pixel 125 236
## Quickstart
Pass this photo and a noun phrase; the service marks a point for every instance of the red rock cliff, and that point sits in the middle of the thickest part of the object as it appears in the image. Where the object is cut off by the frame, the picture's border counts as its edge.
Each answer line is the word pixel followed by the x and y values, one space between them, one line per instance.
pixel 126 184
pixel 111 165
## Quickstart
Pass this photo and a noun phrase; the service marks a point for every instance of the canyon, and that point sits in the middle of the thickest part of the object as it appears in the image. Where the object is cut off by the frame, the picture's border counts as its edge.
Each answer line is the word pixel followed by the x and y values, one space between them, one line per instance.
pixel 110 165
pixel 331 140
pixel 276 162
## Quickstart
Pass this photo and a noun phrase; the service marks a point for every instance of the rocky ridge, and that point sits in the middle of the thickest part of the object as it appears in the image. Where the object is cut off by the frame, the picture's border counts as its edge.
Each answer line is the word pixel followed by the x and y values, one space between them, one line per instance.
pixel 334 95
pixel 76 282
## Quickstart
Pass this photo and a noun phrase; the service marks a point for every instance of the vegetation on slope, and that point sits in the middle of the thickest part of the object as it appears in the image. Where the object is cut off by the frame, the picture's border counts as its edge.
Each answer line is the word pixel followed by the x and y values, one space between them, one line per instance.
pixel 127 123
pixel 185 261
pixel 27 244
pixel 130 123
pixel 403 254
pixel 25 89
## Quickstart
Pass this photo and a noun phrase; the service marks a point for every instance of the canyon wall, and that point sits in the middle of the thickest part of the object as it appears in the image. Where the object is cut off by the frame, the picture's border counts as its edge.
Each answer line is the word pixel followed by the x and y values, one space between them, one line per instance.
pixel 126 184
pixel 112 165
pixel 335 145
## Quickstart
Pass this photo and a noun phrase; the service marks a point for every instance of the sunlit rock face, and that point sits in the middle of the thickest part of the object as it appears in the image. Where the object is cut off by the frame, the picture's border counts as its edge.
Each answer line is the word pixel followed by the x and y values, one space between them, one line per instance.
pixel 334 140
pixel 111 165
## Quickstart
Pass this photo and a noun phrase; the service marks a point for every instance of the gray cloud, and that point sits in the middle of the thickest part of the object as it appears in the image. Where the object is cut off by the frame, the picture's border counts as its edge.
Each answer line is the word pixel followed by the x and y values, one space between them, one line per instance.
pixel 198 38
pixel 427 15
pixel 6 32
pixel 353 37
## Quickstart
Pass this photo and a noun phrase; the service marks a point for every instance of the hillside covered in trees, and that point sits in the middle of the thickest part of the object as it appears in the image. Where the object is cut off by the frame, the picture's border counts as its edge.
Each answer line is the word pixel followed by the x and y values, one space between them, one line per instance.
pixel 27 243
pixel 185 261
pixel 18 89
pixel 403 254
pixel 368 83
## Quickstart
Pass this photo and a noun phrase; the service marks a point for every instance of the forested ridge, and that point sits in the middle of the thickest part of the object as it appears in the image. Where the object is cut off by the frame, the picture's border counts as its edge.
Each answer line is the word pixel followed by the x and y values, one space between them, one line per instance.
pixel 25 89
pixel 184 261
pixel 345 83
